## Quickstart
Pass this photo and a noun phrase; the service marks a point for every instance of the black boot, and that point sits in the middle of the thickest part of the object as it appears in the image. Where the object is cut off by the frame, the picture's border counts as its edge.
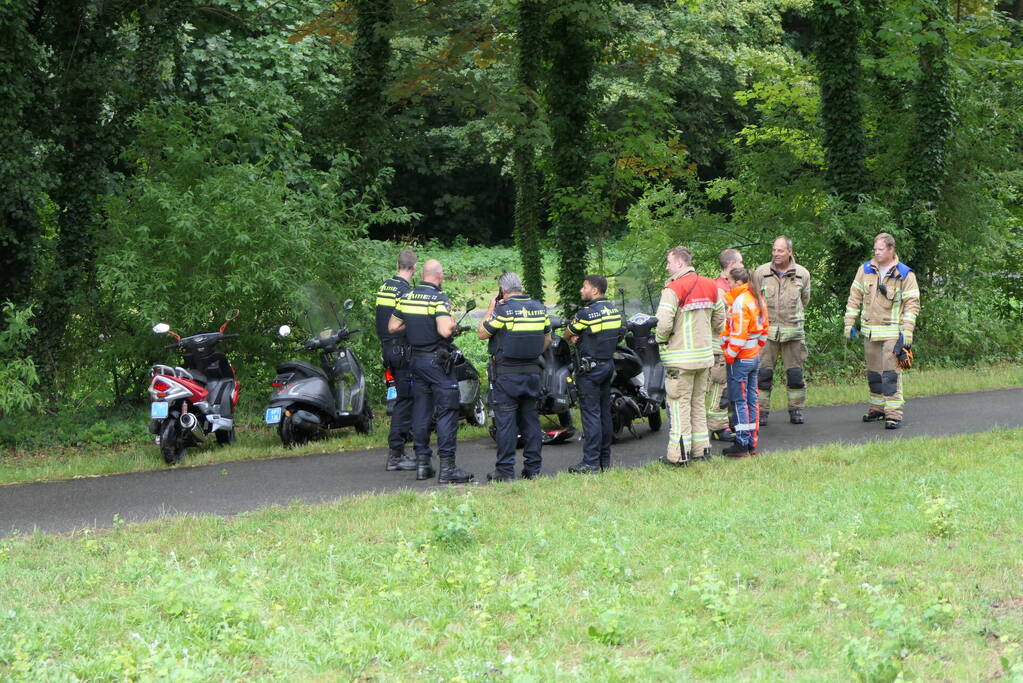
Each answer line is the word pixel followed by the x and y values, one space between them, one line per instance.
pixel 423 468
pixel 398 460
pixel 450 473
pixel 737 450
pixel 796 416
pixel 873 415
pixel 703 455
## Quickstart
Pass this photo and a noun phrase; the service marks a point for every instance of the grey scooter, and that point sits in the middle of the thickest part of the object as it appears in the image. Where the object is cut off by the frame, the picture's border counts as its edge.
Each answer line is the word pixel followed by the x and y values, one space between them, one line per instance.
pixel 308 401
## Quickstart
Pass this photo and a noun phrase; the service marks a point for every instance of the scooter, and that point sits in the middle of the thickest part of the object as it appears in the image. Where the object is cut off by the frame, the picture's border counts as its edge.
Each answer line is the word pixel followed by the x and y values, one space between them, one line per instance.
pixel 194 401
pixel 558 393
pixel 308 401
pixel 637 390
pixel 471 406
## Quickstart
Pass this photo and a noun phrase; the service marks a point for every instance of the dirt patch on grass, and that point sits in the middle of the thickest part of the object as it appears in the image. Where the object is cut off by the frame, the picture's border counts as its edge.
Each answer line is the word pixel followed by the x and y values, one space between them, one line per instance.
pixel 1011 604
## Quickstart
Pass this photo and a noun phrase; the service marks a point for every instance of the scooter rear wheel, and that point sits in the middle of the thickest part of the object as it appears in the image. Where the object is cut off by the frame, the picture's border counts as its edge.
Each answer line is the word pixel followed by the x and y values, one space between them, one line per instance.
pixel 655 421
pixel 171 446
pixel 225 438
pixel 290 436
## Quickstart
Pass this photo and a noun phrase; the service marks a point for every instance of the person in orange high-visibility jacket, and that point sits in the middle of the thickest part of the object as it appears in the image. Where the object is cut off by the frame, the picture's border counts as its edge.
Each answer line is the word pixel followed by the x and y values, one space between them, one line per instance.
pixel 746 329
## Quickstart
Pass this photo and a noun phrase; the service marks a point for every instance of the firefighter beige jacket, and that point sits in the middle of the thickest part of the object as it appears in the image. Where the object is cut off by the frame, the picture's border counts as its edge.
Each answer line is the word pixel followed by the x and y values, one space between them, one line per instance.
pixel 886 303
pixel 786 295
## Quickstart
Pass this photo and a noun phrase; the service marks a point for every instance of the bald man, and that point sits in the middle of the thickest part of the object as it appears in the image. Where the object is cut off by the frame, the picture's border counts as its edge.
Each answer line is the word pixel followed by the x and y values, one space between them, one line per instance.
pixel 424 314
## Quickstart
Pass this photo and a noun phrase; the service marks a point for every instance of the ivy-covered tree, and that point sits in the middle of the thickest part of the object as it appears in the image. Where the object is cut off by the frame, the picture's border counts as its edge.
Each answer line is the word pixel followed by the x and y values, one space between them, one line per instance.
pixel 837 52
pixel 365 125
pixel 935 116
pixel 527 186
pixel 572 58
pixel 21 175
pixel 85 53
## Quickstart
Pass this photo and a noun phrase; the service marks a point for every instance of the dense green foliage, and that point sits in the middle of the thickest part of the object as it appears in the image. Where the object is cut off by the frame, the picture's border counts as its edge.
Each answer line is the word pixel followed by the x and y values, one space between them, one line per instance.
pixel 242 153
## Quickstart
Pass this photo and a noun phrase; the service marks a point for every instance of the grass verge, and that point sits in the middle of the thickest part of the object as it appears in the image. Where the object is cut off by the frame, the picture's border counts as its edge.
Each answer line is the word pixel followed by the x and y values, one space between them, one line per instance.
pixel 255 441
pixel 837 564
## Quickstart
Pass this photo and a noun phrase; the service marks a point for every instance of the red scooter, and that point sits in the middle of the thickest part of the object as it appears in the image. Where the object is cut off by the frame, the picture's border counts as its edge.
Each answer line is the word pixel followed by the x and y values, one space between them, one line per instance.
pixel 196 400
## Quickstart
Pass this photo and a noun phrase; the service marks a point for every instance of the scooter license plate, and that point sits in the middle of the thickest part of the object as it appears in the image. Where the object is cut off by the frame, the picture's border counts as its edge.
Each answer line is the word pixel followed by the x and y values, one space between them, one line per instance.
pixel 273 415
pixel 158 410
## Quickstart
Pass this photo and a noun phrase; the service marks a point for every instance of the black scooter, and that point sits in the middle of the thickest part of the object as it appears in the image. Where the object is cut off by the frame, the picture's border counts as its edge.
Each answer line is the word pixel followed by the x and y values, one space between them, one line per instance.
pixel 308 401
pixel 558 392
pixel 637 390
pixel 472 407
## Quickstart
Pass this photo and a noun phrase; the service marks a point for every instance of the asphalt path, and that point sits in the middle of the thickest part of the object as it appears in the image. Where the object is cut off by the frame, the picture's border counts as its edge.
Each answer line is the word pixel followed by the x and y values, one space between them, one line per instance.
pixel 234 487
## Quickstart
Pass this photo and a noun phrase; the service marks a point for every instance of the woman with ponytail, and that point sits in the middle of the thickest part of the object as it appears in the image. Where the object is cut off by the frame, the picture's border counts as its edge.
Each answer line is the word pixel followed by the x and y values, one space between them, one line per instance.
pixel 745 333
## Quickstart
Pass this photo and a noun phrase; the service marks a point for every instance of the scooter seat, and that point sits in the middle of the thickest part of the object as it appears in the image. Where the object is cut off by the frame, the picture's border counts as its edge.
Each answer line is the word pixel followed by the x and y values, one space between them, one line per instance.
pixel 302 368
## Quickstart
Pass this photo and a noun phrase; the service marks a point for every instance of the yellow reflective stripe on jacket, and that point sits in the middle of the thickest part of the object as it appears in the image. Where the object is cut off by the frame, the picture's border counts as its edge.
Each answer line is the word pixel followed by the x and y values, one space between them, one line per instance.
pixel 604 322
pixel 889 331
pixel 705 353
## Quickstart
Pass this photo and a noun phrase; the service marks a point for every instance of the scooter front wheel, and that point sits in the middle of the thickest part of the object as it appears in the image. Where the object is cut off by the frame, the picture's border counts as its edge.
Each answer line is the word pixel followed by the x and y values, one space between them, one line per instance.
pixel 225 438
pixel 478 416
pixel 365 423
pixel 655 420
pixel 171 446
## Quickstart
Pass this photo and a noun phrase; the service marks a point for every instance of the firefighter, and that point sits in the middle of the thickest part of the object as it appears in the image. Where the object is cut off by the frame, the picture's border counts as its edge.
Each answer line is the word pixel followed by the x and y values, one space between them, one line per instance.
pixel 395 351
pixel 785 287
pixel 886 298
pixel 424 314
pixel 595 330
pixel 690 317
pixel 519 331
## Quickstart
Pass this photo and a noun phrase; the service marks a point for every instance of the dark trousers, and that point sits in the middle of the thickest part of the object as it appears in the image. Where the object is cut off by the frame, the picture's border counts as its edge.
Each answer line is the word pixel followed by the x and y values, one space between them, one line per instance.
pixel 433 392
pixel 595 406
pixel 401 418
pixel 513 398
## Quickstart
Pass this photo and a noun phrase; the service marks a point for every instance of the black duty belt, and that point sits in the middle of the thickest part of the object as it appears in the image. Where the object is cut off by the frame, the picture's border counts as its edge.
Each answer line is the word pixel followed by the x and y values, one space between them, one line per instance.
pixel 424 354
pixel 508 369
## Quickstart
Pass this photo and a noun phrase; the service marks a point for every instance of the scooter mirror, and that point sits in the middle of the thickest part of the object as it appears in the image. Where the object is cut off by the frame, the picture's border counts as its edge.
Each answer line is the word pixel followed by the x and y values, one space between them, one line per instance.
pixel 470 305
pixel 161 328
pixel 232 314
pixel 284 330
pixel 348 304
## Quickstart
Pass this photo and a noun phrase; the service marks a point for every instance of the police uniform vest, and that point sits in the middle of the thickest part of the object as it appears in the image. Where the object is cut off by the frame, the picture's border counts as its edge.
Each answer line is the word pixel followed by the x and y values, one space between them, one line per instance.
pixel 387 299
pixel 518 328
pixel 599 326
pixel 419 309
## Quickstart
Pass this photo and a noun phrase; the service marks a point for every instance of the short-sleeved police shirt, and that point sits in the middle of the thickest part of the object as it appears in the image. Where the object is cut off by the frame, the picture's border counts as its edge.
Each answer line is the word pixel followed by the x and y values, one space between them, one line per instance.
pixel 599 326
pixel 387 299
pixel 518 329
pixel 419 309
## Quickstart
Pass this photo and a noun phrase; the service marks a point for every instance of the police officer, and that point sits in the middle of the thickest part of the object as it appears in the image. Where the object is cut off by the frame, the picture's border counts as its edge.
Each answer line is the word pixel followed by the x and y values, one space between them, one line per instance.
pixel 595 330
pixel 424 314
pixel 519 331
pixel 396 358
